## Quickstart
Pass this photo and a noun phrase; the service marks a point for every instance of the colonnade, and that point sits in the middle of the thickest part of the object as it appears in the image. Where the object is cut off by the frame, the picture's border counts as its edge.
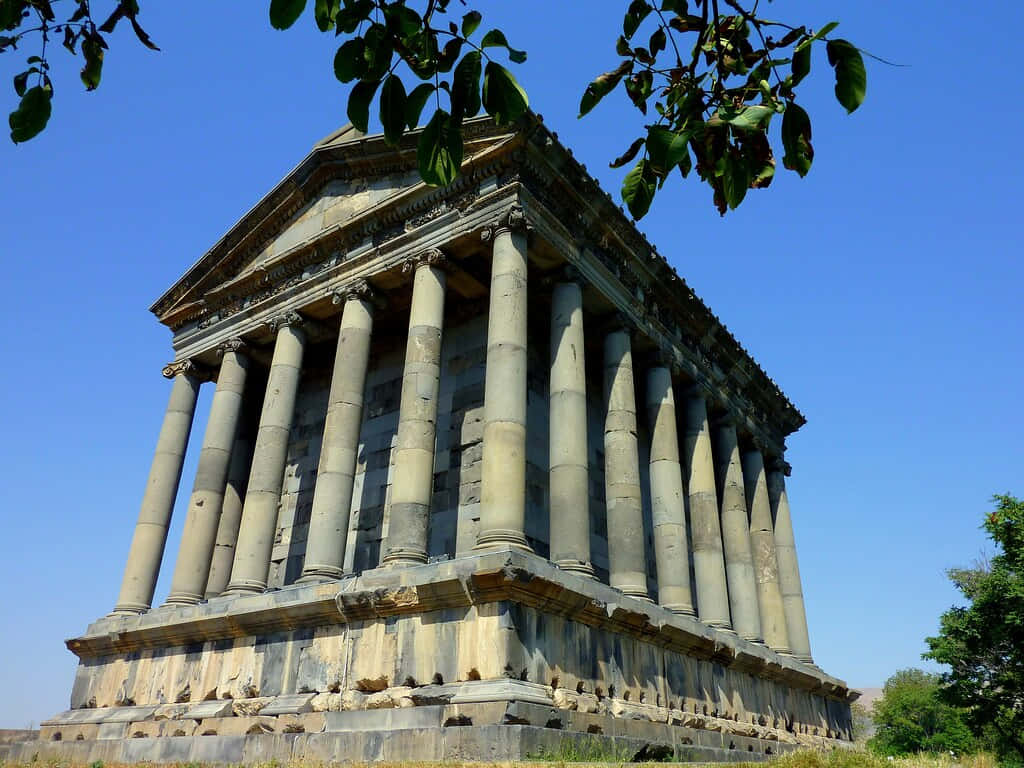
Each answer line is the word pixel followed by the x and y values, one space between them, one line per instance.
pixel 745 573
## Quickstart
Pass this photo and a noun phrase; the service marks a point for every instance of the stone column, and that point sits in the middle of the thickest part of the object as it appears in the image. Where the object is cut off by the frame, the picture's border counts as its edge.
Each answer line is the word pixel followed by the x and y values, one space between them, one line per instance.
pixel 263 493
pixel 231 507
pixel 789 569
pixel 626 545
pixel 147 548
pixel 762 542
pixel 503 474
pixel 668 510
pixel 568 483
pixel 413 481
pixel 332 497
pixel 192 571
pixel 708 559
pixel 739 561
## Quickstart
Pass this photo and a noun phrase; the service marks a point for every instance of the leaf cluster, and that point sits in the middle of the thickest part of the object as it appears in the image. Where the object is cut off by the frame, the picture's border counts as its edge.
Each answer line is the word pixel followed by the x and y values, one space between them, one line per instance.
pixel 77 32
pixel 454 67
pixel 713 81
pixel 983 642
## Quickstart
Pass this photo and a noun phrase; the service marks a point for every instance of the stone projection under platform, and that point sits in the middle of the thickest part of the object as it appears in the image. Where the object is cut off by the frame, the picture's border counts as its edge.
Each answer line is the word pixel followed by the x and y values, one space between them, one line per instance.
pixel 481 475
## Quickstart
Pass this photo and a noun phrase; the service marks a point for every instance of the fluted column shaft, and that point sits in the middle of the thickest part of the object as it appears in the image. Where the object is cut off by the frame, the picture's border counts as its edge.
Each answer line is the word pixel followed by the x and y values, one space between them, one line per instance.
pixel 789 570
pixel 231 508
pixel 263 492
pixel 147 547
pixel 192 570
pixel 739 560
pixel 626 545
pixel 668 510
pixel 332 497
pixel 702 495
pixel 762 543
pixel 413 481
pixel 503 481
pixel 568 482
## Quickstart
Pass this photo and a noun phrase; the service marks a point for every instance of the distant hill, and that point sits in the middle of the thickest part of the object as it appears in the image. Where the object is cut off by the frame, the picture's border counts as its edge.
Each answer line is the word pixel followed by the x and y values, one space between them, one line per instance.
pixel 868 696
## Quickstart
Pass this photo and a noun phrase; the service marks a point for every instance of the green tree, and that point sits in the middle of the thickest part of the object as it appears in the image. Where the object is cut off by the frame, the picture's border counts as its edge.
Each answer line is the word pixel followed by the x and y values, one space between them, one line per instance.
pixel 983 643
pixel 707 77
pixel 912 717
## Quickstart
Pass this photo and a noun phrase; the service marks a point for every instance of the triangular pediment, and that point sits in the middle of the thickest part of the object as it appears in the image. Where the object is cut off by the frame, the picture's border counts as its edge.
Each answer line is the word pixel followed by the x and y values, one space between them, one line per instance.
pixel 346 177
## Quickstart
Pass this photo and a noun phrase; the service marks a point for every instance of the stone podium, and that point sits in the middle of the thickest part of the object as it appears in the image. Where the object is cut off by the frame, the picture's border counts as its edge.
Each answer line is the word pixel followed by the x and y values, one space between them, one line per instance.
pixel 481 475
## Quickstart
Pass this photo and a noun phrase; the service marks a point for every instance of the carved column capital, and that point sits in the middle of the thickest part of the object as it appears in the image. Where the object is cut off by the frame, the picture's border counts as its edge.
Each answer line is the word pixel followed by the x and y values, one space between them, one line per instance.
pixel 617 322
pixel 514 220
pixel 357 290
pixel 231 345
pixel 186 367
pixel 778 464
pixel 289 318
pixel 432 257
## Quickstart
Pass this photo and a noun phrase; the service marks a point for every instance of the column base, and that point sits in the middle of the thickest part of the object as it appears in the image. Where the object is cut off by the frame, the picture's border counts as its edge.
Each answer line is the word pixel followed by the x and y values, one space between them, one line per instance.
pixel 581 567
pixel 129 609
pixel 319 574
pixel 245 587
pixel 721 626
pixel 182 598
pixel 640 593
pixel 401 557
pixel 681 608
pixel 498 538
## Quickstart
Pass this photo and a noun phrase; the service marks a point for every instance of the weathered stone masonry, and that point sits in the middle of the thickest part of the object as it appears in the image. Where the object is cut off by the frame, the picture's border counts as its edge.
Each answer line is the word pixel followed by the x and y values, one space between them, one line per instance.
pixel 481 473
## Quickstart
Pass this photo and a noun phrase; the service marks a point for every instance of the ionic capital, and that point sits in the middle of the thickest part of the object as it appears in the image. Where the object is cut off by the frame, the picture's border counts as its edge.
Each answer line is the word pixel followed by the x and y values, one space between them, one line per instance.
pixel 357 290
pixel 285 319
pixel 432 257
pixel 618 322
pixel 231 345
pixel 512 220
pixel 186 368
pixel 778 464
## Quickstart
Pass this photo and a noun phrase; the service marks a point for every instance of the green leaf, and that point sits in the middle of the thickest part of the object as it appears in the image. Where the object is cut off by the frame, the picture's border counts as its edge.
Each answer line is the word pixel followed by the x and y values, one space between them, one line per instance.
pixel 352 13
pixel 10 13
pixel 753 117
pixel 32 114
pixel 378 52
pixel 851 77
pixel 414 103
pixel 439 151
pixel 638 188
pixel 801 64
pixel 635 14
pixel 470 22
pixel 359 103
pixel 21 80
pixel 658 41
pixel 350 60
pixel 325 11
pixel 404 20
pixel 818 35
pixel 283 13
pixel 466 86
pixel 796 139
pixel 602 86
pixel 392 109
pixel 667 148
pixel 735 177
pixel 504 99
pixel 92 51
pixel 675 6
pixel 496 39
pixel 628 155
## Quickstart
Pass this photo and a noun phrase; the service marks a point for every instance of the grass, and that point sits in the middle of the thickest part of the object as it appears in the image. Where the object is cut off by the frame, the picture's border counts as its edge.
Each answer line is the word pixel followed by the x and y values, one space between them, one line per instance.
pixel 584 753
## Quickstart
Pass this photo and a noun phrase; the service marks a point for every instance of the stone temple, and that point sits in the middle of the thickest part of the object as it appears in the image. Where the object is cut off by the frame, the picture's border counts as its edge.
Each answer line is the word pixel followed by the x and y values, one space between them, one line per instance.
pixel 481 477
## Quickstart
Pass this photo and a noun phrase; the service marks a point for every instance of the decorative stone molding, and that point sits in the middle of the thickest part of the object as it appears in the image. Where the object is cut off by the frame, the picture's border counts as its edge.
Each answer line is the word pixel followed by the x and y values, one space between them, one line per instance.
pixel 231 345
pixel 431 257
pixel 513 220
pixel 357 290
pixel 186 367
pixel 778 464
pixel 285 319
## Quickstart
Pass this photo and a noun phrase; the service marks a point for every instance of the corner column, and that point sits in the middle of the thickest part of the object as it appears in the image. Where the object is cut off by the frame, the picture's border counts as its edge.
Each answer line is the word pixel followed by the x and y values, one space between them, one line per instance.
pixel 626 545
pixel 147 548
pixel 762 542
pixel 192 570
pixel 739 560
pixel 332 496
pixel 503 474
pixel 789 569
pixel 413 481
pixel 668 511
pixel 568 482
pixel 263 494
pixel 708 559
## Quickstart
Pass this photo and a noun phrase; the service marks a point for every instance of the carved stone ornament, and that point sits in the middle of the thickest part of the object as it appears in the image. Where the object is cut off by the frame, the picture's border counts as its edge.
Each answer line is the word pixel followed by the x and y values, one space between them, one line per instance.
pixel 570 273
pixel 285 319
pixel 357 290
pixel 514 220
pixel 618 322
pixel 778 464
pixel 231 345
pixel 179 367
pixel 431 257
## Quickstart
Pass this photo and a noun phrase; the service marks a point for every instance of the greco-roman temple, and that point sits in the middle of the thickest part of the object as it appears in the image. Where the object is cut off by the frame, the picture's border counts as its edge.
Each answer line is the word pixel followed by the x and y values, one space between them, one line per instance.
pixel 481 477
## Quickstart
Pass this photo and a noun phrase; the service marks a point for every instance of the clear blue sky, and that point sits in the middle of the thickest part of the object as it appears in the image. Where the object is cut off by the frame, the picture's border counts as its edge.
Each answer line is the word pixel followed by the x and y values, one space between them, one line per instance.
pixel 883 293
